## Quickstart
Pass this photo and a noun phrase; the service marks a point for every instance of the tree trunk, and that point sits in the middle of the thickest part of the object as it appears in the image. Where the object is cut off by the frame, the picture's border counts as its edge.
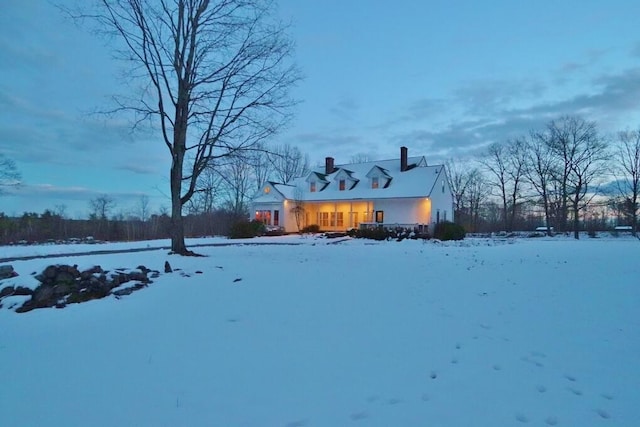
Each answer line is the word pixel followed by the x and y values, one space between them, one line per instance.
pixel 576 221
pixel 177 228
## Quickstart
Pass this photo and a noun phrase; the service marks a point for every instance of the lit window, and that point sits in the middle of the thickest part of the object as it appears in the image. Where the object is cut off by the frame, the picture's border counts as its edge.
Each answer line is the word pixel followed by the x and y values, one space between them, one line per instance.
pixel 264 216
pixel 339 219
pixel 312 188
pixel 374 182
pixel 267 190
pixel 324 219
pixel 342 184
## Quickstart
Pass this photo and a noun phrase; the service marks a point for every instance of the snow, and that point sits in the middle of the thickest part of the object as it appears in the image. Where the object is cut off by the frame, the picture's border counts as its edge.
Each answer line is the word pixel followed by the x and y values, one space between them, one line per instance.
pixel 476 333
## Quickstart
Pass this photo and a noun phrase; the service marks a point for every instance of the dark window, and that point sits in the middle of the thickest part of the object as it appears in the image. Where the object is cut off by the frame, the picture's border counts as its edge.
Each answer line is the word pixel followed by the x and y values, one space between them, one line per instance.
pixel 276 218
pixel 342 185
pixel 380 216
pixel 312 188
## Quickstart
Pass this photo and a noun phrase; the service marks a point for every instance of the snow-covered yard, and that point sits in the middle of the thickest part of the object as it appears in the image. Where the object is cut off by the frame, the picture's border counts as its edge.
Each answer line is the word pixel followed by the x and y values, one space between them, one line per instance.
pixel 358 333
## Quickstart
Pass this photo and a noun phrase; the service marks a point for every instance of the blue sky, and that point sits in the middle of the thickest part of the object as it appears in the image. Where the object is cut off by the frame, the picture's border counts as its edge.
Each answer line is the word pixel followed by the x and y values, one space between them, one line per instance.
pixel 444 78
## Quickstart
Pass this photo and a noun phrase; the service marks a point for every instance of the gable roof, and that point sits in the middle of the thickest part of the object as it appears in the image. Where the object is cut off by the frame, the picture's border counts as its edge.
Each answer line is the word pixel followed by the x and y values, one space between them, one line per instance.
pixel 418 181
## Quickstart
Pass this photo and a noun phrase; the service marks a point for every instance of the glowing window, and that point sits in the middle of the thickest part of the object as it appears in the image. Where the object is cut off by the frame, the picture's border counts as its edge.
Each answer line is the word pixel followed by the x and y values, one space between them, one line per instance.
pixel 312 187
pixel 267 190
pixel 264 216
pixel 374 182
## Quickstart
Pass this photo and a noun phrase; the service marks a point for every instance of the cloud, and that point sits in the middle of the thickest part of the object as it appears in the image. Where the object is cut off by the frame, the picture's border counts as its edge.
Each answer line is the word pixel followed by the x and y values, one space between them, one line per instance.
pixel 614 98
pixel 346 108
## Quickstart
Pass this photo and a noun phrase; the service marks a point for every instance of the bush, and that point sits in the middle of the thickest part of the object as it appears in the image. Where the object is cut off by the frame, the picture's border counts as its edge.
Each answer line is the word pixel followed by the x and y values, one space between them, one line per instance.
pixel 312 228
pixel 246 229
pixel 449 231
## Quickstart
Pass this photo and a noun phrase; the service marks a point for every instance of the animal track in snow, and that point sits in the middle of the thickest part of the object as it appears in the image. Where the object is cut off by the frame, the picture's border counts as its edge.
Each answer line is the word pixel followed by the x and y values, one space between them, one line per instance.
pixel 552 421
pixel 522 418
pixel 298 423
pixel 394 401
pixel 570 377
pixel 359 416
pixel 541 388
pixel 603 414
pixel 575 391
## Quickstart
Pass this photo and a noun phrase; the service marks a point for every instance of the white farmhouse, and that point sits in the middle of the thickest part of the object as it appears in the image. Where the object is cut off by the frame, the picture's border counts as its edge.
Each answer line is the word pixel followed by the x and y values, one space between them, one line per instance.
pixel 404 192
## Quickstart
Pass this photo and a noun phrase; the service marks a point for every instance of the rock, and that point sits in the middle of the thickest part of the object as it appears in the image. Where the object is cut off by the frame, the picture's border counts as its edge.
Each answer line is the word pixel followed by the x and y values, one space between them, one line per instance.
pixel 128 290
pixel 43 296
pixel 9 290
pixel 65 284
pixel 7 271
pixel 49 272
pixel 22 290
pixel 167 267
pixel 87 274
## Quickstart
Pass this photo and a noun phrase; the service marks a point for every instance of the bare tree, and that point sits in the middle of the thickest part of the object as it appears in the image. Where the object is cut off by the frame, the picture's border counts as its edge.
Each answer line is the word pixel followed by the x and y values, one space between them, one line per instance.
pixel 628 164
pixel 237 186
pixel 298 208
pixel 581 154
pixel 459 174
pixel 505 163
pixel 9 175
pixel 101 206
pixel 288 162
pixel 360 158
pixel 539 172
pixel 143 207
pixel 477 192
pixel 261 165
pixel 217 80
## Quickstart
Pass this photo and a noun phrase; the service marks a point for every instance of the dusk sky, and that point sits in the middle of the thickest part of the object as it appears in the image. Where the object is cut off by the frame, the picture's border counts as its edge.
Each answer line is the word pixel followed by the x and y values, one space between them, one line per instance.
pixel 444 78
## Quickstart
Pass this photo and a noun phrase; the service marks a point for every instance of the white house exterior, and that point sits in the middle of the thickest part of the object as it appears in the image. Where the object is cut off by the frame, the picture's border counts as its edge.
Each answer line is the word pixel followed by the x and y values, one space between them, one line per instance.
pixel 404 192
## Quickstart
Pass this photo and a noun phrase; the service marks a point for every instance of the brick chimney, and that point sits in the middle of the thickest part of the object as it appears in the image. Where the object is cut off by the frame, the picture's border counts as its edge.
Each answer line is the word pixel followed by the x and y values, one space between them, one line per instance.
pixel 404 154
pixel 328 165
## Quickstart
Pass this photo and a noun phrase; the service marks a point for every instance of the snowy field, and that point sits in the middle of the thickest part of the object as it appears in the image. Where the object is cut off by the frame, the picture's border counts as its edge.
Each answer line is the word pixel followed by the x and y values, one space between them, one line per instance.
pixel 356 333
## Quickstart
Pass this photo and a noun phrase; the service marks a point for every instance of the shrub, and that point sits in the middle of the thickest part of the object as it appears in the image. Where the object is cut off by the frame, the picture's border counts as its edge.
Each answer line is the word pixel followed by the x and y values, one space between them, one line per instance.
pixel 246 229
pixel 449 231
pixel 312 228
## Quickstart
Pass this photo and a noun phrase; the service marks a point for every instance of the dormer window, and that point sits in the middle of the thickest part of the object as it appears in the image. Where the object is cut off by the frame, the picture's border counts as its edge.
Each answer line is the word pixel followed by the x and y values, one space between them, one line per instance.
pixel 374 182
pixel 312 187
pixel 342 184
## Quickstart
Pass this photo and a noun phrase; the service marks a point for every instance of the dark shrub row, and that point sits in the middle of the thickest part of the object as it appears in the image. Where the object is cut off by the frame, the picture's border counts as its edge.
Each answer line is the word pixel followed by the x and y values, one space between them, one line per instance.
pixel 246 229
pixel 449 231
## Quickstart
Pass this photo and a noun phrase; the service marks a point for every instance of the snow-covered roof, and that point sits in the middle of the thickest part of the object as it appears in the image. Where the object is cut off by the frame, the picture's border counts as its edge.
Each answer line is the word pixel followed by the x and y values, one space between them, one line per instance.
pixel 417 181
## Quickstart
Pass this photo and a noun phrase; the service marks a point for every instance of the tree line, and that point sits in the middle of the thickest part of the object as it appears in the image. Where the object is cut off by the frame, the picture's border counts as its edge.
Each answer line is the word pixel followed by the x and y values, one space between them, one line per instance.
pixel 566 176
pixel 221 198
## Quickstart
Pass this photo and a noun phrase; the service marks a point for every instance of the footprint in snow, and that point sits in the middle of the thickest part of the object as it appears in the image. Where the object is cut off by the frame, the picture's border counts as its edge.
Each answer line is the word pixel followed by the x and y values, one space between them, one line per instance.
pixel 552 421
pixel 359 416
pixel 603 414
pixel 522 418
pixel 575 391
pixel 298 423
